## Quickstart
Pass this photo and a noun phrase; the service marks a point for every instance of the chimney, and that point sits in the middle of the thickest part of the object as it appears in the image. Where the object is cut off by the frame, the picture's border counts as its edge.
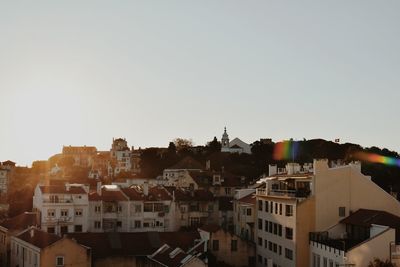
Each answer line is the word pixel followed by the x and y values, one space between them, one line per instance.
pixel 146 188
pixel 272 170
pixel 32 232
pixel 67 186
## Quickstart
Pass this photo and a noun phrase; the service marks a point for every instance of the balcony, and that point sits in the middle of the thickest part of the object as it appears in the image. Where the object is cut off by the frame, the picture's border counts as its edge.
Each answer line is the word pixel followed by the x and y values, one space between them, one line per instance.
pixel 341 244
pixel 292 193
pixel 57 201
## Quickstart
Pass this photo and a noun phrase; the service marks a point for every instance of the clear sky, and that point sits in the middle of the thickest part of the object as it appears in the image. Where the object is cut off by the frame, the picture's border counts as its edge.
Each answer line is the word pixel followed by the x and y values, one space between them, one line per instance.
pixel 83 72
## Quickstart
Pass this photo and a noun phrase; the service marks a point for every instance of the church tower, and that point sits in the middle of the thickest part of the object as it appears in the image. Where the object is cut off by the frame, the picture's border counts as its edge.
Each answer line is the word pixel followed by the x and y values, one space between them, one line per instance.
pixel 225 142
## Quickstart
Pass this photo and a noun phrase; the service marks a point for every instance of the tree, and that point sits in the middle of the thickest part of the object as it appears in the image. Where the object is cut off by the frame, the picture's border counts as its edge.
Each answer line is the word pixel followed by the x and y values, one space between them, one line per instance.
pixel 380 263
pixel 172 148
pixel 214 145
pixel 181 143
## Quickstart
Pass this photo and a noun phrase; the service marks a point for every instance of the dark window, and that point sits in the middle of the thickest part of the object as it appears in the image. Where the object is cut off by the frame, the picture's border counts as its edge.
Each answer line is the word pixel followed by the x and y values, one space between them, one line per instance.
pixel 64 229
pixel 275 228
pixel 215 245
pixel 271 207
pixel 51 230
pixel 259 258
pixel 288 254
pixel 265 243
pixel 266 206
pixel 275 248
pixel 280 209
pixel 234 245
pixel 260 205
pixel 119 224
pixel 280 250
pixel 276 208
pixel 289 233
pixel 259 224
pixel 342 211
pixel 260 241
pixel 78 228
pixel 248 212
pixel 279 230
pixel 270 245
pixel 266 226
pixel 270 227
pixel 289 210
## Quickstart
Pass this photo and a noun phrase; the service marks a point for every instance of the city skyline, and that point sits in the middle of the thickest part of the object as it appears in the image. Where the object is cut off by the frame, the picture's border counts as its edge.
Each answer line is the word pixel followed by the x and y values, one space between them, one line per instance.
pixel 81 74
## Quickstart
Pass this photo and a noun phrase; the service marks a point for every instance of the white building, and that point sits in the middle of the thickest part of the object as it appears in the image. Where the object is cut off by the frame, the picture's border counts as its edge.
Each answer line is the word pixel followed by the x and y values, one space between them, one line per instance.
pixel 234 146
pixel 62 209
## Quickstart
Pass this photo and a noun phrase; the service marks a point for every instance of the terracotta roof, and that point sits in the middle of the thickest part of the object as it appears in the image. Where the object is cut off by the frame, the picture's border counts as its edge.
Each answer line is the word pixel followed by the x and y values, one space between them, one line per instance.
pixel 133 244
pixel 211 228
pixel 250 199
pixel 38 238
pixel 366 218
pixel 108 195
pixel 187 163
pixel 182 194
pixel 21 221
pixel 59 189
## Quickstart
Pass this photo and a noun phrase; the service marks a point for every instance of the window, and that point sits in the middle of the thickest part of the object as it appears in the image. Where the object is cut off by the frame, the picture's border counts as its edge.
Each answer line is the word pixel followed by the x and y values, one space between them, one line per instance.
pixel 275 247
pixel 271 207
pixel 270 245
pixel 288 254
pixel 148 207
pixel 280 209
pixel 265 243
pixel 97 209
pixel 138 224
pixel 265 262
pixel 275 228
pixel 64 229
pixel 119 224
pixel 266 226
pixel 227 191
pixel 248 211
pixel 330 263
pixel 266 206
pixel 119 208
pixel 234 245
pixel 279 230
pixel 259 224
pixel 270 229
pixel 289 233
pixel 64 213
pixel 276 208
pixel 260 241
pixel 59 261
pixel 289 210
pixel 51 213
pixel 78 212
pixel 138 208
pixel 51 230
pixel 260 205
pixel 215 245
pixel 280 250
pixel 97 224
pixel 325 262
pixel 342 211
pixel 78 228
pixel 259 257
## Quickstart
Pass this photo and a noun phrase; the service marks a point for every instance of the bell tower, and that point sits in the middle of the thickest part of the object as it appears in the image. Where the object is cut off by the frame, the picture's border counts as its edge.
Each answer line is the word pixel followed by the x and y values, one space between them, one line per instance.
pixel 225 142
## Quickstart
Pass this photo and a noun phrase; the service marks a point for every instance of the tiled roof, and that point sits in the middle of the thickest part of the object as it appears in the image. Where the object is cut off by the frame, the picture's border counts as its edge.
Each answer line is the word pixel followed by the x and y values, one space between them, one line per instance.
pixel 211 228
pixel 182 194
pixel 59 189
pixel 250 199
pixel 21 221
pixel 38 238
pixel 133 244
pixel 187 163
pixel 156 193
pixel 108 195
pixel 365 217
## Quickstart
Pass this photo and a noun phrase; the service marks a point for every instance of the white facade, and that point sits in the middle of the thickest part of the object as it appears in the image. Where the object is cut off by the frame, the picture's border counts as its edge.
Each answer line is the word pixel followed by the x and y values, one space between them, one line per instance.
pixel 234 146
pixel 62 209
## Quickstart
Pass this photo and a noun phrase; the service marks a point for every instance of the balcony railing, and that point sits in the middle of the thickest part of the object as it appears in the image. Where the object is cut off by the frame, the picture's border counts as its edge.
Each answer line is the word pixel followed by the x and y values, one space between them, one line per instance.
pixel 299 193
pixel 57 201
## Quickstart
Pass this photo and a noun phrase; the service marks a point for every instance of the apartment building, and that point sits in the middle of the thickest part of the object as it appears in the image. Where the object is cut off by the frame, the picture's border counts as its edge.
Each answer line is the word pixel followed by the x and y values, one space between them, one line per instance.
pixel 120 157
pixel 62 209
pixel 33 248
pixel 298 200
pixel 244 217
pixel 6 169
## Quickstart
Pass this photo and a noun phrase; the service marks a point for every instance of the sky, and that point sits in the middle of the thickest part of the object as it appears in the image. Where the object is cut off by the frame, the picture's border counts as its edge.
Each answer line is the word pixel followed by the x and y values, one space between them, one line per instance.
pixel 83 72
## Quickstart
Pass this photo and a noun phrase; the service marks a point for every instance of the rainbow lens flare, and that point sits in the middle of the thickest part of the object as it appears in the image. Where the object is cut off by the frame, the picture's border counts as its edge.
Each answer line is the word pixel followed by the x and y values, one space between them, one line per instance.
pixel 375 158
pixel 286 150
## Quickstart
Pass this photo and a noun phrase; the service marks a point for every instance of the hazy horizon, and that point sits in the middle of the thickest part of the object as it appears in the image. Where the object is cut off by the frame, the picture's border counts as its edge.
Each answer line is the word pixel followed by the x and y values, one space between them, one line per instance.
pixel 83 72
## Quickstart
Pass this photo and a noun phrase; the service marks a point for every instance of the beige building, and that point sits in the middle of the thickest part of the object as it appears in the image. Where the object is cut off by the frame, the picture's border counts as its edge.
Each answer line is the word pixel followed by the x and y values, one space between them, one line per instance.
pixel 227 248
pixel 244 217
pixel 298 200
pixel 34 247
